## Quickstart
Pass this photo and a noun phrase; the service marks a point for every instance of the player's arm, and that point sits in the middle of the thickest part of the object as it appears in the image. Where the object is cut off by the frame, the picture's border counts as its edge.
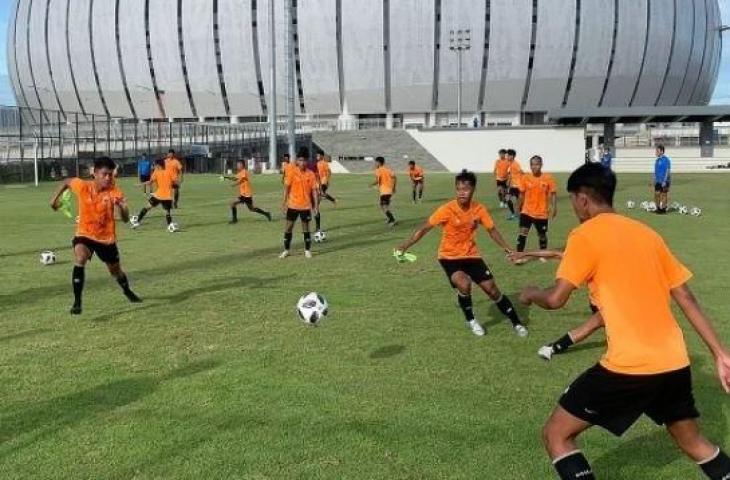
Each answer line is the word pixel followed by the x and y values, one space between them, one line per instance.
pixel 123 208
pixel 416 237
pixel 395 183
pixel 65 185
pixel 285 201
pixel 553 205
pixel 497 237
pixel 551 298
pixel 547 254
pixel 315 198
pixel 686 300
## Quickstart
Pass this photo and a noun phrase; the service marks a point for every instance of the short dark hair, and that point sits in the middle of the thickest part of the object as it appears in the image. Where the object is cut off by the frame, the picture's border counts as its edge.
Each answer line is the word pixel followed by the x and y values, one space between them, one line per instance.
pixel 303 153
pixel 411 162
pixel 286 155
pixel 171 151
pixel 502 151
pixel 595 180
pixel 511 152
pixel 380 160
pixel 536 157
pixel 104 162
pixel 160 162
pixel 660 147
pixel 466 176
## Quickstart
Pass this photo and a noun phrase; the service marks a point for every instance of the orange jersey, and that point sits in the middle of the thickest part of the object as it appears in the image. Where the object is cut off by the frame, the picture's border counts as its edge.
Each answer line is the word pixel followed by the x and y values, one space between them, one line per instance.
pixel 537 191
pixel 174 167
pixel 302 186
pixel 459 229
pixel 631 271
pixel 386 180
pixel 515 173
pixel 244 184
pixel 501 169
pixel 324 172
pixel 96 210
pixel 163 179
pixel 416 173
pixel 287 168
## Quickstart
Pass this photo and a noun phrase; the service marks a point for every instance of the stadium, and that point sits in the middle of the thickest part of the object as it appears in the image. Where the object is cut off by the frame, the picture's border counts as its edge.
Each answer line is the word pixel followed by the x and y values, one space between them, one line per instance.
pixel 182 301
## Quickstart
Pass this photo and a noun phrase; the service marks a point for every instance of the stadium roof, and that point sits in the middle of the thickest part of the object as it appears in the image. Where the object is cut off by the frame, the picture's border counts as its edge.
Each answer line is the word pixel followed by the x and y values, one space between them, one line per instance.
pixel 581 116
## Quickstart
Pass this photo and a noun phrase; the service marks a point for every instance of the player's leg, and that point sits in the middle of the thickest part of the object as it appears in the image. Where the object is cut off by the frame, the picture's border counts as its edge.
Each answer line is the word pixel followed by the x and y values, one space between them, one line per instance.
pixel 577 335
pixel 542 229
pixel 234 209
pixel 168 206
pixel 116 271
pixel 712 460
pixel 82 254
pixel 248 201
pixel 462 284
pixel 291 217
pixel 324 187
pixel 318 220
pixel 385 207
pixel 525 225
pixel 559 437
pixel 664 199
pixel 414 191
pixel 176 194
pixel 511 197
pixel 420 189
pixel 504 304
pixel 306 219
pixel 153 202
pixel 658 195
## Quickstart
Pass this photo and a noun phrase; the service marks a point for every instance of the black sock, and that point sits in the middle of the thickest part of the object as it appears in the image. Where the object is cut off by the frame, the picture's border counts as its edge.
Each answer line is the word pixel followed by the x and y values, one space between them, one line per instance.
pixel 123 282
pixel 307 241
pixel 511 206
pixel 177 196
pixel 420 194
pixel 521 242
pixel 543 242
pixel 318 221
pixel 508 310
pixel 562 344
pixel 466 305
pixel 287 240
pixel 77 280
pixel 260 212
pixel 414 194
pixel 168 217
pixel 390 216
pixel 718 468
pixel 142 213
pixel 574 467
pixel 234 213
pixel 329 197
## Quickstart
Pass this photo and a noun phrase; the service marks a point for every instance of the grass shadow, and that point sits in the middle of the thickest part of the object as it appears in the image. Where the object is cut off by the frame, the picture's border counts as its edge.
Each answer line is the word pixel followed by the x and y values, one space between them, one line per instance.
pixel 387 351
pixel 25 334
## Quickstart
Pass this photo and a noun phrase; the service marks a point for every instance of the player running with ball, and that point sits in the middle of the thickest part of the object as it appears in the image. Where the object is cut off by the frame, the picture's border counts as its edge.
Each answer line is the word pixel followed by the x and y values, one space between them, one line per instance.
pixel 458 253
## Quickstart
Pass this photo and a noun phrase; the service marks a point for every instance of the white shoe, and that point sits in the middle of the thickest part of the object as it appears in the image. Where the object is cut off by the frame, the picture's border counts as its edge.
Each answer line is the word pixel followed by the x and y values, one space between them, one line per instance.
pixel 543 260
pixel 284 254
pixel 133 225
pixel 545 352
pixel 307 254
pixel 475 328
pixel 520 330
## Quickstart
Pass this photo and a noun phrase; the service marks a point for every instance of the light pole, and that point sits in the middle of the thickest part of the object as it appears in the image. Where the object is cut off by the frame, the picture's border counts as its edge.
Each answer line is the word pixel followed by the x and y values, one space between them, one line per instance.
pixel 459 40
pixel 290 67
pixel 272 88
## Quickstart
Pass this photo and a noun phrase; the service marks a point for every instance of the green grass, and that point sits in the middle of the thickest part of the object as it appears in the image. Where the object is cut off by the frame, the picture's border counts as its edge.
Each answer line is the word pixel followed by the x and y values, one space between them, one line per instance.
pixel 213 376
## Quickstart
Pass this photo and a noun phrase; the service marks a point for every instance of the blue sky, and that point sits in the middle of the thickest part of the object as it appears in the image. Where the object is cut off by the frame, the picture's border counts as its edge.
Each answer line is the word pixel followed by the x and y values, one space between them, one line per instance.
pixel 721 96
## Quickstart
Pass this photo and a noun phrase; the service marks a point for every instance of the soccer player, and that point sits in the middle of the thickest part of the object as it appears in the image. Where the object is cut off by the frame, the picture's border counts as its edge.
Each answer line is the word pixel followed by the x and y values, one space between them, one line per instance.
pixel 324 175
pixel 96 228
pixel 163 180
pixel 144 172
pixel 245 193
pixel 501 175
pixel 386 182
pixel 175 170
pixel 301 197
pixel 662 179
pixel 538 202
pixel 514 173
pixel 646 369
pixel 285 166
pixel 415 173
pixel 458 253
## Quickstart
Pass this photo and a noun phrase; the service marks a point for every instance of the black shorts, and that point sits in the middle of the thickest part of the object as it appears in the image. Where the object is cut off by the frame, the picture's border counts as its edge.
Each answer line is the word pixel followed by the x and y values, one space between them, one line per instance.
pixel 166 204
pixel 417 182
pixel 658 188
pixel 144 178
pixel 107 253
pixel 292 215
pixel 385 200
pixel 541 224
pixel 248 201
pixel 514 191
pixel 474 268
pixel 615 401
pixel 502 183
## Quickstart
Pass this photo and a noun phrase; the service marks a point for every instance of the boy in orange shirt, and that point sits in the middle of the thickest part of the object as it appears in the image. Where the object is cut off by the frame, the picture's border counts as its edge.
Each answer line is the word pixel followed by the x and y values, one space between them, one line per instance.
pixel 324 174
pixel 415 173
pixel 501 175
pixel 96 228
pixel 175 170
pixel 646 368
pixel 163 195
pixel 514 173
pixel 386 182
pixel 300 199
pixel 538 201
pixel 458 253
pixel 245 193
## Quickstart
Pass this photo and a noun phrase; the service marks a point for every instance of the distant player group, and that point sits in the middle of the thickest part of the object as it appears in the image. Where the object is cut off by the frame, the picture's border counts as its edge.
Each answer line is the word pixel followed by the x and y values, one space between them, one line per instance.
pixel 630 273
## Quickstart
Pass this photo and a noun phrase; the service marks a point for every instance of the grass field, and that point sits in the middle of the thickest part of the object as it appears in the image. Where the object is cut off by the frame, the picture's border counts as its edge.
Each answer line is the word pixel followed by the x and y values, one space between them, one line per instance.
pixel 213 376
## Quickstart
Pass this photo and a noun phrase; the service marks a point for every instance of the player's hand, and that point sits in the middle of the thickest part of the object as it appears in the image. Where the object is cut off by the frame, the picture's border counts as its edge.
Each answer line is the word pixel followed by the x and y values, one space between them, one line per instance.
pixel 283 208
pixel 722 362
pixel 515 257
pixel 554 214
pixel 526 295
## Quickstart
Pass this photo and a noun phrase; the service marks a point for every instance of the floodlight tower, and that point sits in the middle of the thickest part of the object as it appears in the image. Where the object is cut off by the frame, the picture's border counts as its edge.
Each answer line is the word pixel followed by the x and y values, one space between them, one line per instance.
pixel 459 41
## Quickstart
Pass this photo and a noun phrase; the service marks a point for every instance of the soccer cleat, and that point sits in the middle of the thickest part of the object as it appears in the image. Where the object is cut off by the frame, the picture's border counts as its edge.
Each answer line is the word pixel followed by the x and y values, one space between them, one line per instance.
pixel 520 330
pixel 511 216
pixel 393 223
pixel 284 254
pixel 545 352
pixel 75 309
pixel 231 222
pixel 132 297
pixel 543 260
pixel 268 215
pixel 134 225
pixel 475 328
pixel 307 254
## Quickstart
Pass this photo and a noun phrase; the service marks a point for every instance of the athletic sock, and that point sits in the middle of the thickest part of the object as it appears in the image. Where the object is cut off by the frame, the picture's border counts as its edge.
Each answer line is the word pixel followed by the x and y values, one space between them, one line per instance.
pixel 511 206
pixel 508 310
pixel 234 214
pixel 543 242
pixel 521 242
pixel 466 305
pixel 420 194
pixel 177 196
pixel 124 283
pixel 77 280
pixel 717 467
pixel 168 217
pixel 307 241
pixel 329 197
pixel 562 344
pixel 574 466
pixel 287 240
pixel 414 194
pixel 318 221
pixel 390 216
pixel 142 213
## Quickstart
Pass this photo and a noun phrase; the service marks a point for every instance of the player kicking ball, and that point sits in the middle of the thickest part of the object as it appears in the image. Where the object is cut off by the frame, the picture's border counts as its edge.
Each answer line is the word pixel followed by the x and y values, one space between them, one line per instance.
pixel 164 181
pixel 96 228
pixel 301 197
pixel 458 253
pixel 646 369
pixel 242 180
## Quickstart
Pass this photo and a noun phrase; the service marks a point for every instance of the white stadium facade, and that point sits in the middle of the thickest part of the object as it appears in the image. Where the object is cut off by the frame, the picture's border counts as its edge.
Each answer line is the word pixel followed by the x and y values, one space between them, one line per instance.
pixel 209 59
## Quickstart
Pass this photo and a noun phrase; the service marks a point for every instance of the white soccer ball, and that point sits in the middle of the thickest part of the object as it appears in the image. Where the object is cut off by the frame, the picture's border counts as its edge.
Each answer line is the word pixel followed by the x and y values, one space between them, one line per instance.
pixel 695 212
pixel 645 205
pixel 134 219
pixel 630 204
pixel 651 207
pixel 48 258
pixel 683 210
pixel 675 206
pixel 173 227
pixel 320 236
pixel 312 308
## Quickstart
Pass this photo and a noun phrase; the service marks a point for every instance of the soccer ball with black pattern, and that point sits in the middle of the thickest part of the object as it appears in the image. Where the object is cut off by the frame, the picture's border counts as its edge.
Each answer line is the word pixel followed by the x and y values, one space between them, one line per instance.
pixel 312 308
pixel 48 258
